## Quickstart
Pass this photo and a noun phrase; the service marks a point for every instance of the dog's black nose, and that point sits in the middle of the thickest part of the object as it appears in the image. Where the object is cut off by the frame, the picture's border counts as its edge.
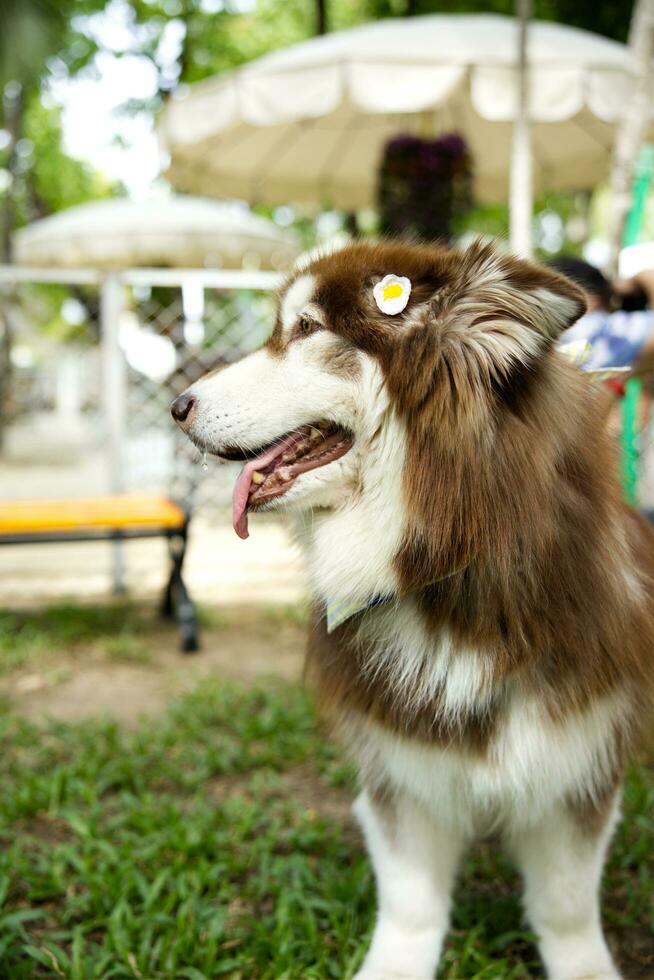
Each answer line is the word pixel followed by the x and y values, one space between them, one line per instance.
pixel 182 409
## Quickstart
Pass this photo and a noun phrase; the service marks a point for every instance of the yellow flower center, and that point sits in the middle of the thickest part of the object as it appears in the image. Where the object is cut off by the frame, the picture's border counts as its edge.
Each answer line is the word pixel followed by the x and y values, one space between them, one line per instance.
pixel 392 291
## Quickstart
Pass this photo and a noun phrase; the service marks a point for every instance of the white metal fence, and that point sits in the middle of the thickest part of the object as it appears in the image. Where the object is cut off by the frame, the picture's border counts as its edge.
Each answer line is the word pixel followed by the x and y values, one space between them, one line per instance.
pixel 91 362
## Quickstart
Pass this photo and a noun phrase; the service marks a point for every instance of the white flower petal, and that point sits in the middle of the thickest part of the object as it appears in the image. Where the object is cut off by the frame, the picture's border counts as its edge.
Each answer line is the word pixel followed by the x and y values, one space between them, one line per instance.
pixel 392 294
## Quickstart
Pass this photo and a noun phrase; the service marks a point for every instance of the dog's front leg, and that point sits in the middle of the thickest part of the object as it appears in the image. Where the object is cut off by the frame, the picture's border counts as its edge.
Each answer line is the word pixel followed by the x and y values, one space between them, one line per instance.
pixel 415 861
pixel 561 859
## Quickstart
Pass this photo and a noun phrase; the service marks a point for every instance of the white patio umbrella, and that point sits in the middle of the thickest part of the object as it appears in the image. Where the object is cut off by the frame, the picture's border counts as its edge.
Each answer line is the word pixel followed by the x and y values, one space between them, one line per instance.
pixel 308 123
pixel 180 232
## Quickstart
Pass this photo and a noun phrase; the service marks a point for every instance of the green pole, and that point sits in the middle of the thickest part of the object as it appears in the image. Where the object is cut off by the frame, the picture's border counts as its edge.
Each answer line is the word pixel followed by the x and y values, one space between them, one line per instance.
pixel 629 449
pixel 630 455
pixel 642 179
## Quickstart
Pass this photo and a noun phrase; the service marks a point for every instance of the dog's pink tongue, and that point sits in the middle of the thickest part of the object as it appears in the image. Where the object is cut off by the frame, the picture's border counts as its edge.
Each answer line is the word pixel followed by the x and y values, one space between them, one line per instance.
pixel 240 499
pixel 243 483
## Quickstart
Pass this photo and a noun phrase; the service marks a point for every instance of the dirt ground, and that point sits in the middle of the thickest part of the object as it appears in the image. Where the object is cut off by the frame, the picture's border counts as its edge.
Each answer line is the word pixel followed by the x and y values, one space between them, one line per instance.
pixel 249 643
pixel 69 685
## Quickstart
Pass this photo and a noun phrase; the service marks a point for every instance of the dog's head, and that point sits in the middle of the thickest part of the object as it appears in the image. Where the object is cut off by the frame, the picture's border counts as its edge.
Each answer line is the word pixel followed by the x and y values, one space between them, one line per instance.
pixel 441 352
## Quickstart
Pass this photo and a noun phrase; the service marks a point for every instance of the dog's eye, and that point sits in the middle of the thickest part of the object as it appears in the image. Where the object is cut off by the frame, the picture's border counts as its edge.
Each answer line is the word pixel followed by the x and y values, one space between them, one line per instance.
pixel 304 327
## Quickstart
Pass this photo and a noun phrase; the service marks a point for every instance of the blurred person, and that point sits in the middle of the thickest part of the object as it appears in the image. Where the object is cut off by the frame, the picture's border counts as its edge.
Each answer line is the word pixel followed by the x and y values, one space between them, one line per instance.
pixel 619 323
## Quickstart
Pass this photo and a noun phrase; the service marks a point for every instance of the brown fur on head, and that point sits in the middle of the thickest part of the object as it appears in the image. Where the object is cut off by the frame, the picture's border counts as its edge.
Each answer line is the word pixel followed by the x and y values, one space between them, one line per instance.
pixel 472 286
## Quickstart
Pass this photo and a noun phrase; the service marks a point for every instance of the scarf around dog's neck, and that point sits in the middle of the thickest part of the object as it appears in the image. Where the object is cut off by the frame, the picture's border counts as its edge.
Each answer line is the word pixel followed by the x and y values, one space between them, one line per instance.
pixel 339 612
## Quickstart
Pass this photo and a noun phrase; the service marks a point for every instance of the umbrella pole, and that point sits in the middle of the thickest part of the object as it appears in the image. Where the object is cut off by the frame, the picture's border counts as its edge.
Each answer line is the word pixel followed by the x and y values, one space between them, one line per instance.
pixel 631 128
pixel 521 185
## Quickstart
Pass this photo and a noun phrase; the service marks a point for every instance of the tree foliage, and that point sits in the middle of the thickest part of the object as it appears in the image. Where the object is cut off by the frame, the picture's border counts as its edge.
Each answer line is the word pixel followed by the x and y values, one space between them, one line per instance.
pixel 185 41
pixel 610 19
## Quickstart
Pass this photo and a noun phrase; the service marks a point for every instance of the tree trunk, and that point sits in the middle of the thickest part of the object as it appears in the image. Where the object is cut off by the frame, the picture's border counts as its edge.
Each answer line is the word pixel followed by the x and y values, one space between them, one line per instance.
pixel 321 16
pixel 521 204
pixel 631 129
pixel 14 104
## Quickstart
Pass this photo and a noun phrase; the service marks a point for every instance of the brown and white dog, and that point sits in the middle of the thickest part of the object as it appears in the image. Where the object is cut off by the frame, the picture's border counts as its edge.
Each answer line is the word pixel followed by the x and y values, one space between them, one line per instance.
pixel 454 487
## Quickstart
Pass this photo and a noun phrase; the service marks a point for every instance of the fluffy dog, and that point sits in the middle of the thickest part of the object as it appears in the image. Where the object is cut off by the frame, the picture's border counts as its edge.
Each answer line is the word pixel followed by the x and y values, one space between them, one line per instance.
pixel 483 599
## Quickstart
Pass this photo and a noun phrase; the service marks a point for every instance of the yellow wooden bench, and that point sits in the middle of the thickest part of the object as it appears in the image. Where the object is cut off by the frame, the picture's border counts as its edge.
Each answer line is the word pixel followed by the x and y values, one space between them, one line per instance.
pixel 117 518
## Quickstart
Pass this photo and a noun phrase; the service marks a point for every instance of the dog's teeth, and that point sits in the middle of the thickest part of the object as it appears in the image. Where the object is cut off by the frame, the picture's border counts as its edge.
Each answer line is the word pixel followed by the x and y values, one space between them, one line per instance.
pixel 315 434
pixel 257 477
pixel 284 473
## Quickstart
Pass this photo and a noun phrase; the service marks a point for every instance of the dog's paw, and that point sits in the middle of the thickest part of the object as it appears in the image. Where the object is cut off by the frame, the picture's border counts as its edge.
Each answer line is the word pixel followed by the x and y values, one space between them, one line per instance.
pixel 599 976
pixel 386 975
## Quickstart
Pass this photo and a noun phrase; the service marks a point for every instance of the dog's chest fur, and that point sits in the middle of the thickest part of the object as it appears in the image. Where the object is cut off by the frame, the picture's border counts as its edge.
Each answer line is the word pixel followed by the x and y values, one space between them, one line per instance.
pixel 427 716
pixel 531 766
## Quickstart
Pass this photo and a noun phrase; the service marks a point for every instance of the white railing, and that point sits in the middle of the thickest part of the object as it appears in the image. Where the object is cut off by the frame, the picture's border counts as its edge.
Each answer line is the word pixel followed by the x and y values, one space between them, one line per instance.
pixel 112 288
pixel 228 279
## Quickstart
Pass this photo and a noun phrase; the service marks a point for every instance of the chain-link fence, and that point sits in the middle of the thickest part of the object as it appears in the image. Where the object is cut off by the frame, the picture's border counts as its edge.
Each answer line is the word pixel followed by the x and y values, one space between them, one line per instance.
pixel 92 363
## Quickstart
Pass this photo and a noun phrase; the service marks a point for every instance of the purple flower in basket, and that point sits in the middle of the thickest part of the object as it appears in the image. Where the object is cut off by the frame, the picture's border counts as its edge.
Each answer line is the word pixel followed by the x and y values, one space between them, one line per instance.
pixel 424 185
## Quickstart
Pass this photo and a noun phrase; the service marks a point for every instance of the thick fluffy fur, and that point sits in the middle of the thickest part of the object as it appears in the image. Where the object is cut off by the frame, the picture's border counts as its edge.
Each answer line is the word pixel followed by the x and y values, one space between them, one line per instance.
pixel 512 669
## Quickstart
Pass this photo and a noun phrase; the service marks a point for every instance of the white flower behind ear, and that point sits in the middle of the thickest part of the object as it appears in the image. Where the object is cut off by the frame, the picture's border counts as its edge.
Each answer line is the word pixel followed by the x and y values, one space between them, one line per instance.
pixel 392 294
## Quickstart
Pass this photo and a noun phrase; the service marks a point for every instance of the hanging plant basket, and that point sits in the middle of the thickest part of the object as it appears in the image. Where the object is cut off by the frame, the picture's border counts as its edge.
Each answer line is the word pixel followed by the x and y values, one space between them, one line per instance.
pixel 425 186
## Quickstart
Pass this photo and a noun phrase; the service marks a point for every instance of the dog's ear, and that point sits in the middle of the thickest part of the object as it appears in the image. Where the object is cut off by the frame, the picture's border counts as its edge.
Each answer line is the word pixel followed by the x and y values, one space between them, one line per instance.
pixel 545 301
pixel 505 310
pixel 480 324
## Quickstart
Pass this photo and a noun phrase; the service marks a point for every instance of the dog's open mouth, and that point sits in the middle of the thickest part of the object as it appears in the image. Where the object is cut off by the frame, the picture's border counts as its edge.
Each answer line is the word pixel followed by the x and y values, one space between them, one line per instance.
pixel 273 470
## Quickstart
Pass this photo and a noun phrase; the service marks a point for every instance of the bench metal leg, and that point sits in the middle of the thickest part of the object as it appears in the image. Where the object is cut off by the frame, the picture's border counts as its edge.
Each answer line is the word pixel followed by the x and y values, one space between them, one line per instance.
pixel 167 609
pixel 118 568
pixel 176 600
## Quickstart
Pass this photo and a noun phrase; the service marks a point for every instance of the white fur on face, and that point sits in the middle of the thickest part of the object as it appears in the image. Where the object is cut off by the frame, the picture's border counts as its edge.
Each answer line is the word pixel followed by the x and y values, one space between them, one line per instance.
pixel 262 397
pixel 350 550
pixel 351 543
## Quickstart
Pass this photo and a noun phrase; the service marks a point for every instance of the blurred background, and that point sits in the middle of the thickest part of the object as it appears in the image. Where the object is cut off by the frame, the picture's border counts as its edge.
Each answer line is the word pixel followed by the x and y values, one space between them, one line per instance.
pixel 162 165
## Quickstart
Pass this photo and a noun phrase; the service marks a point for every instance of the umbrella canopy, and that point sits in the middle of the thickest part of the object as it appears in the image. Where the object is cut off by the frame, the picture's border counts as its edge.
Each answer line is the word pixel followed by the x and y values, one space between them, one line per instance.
pixel 308 123
pixel 176 232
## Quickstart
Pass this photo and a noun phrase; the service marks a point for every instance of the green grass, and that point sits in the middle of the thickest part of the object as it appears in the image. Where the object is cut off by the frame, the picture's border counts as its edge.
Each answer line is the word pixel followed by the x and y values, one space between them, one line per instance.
pixel 290 615
pixel 195 847
pixel 118 630
pixel 127 648
pixel 30 636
